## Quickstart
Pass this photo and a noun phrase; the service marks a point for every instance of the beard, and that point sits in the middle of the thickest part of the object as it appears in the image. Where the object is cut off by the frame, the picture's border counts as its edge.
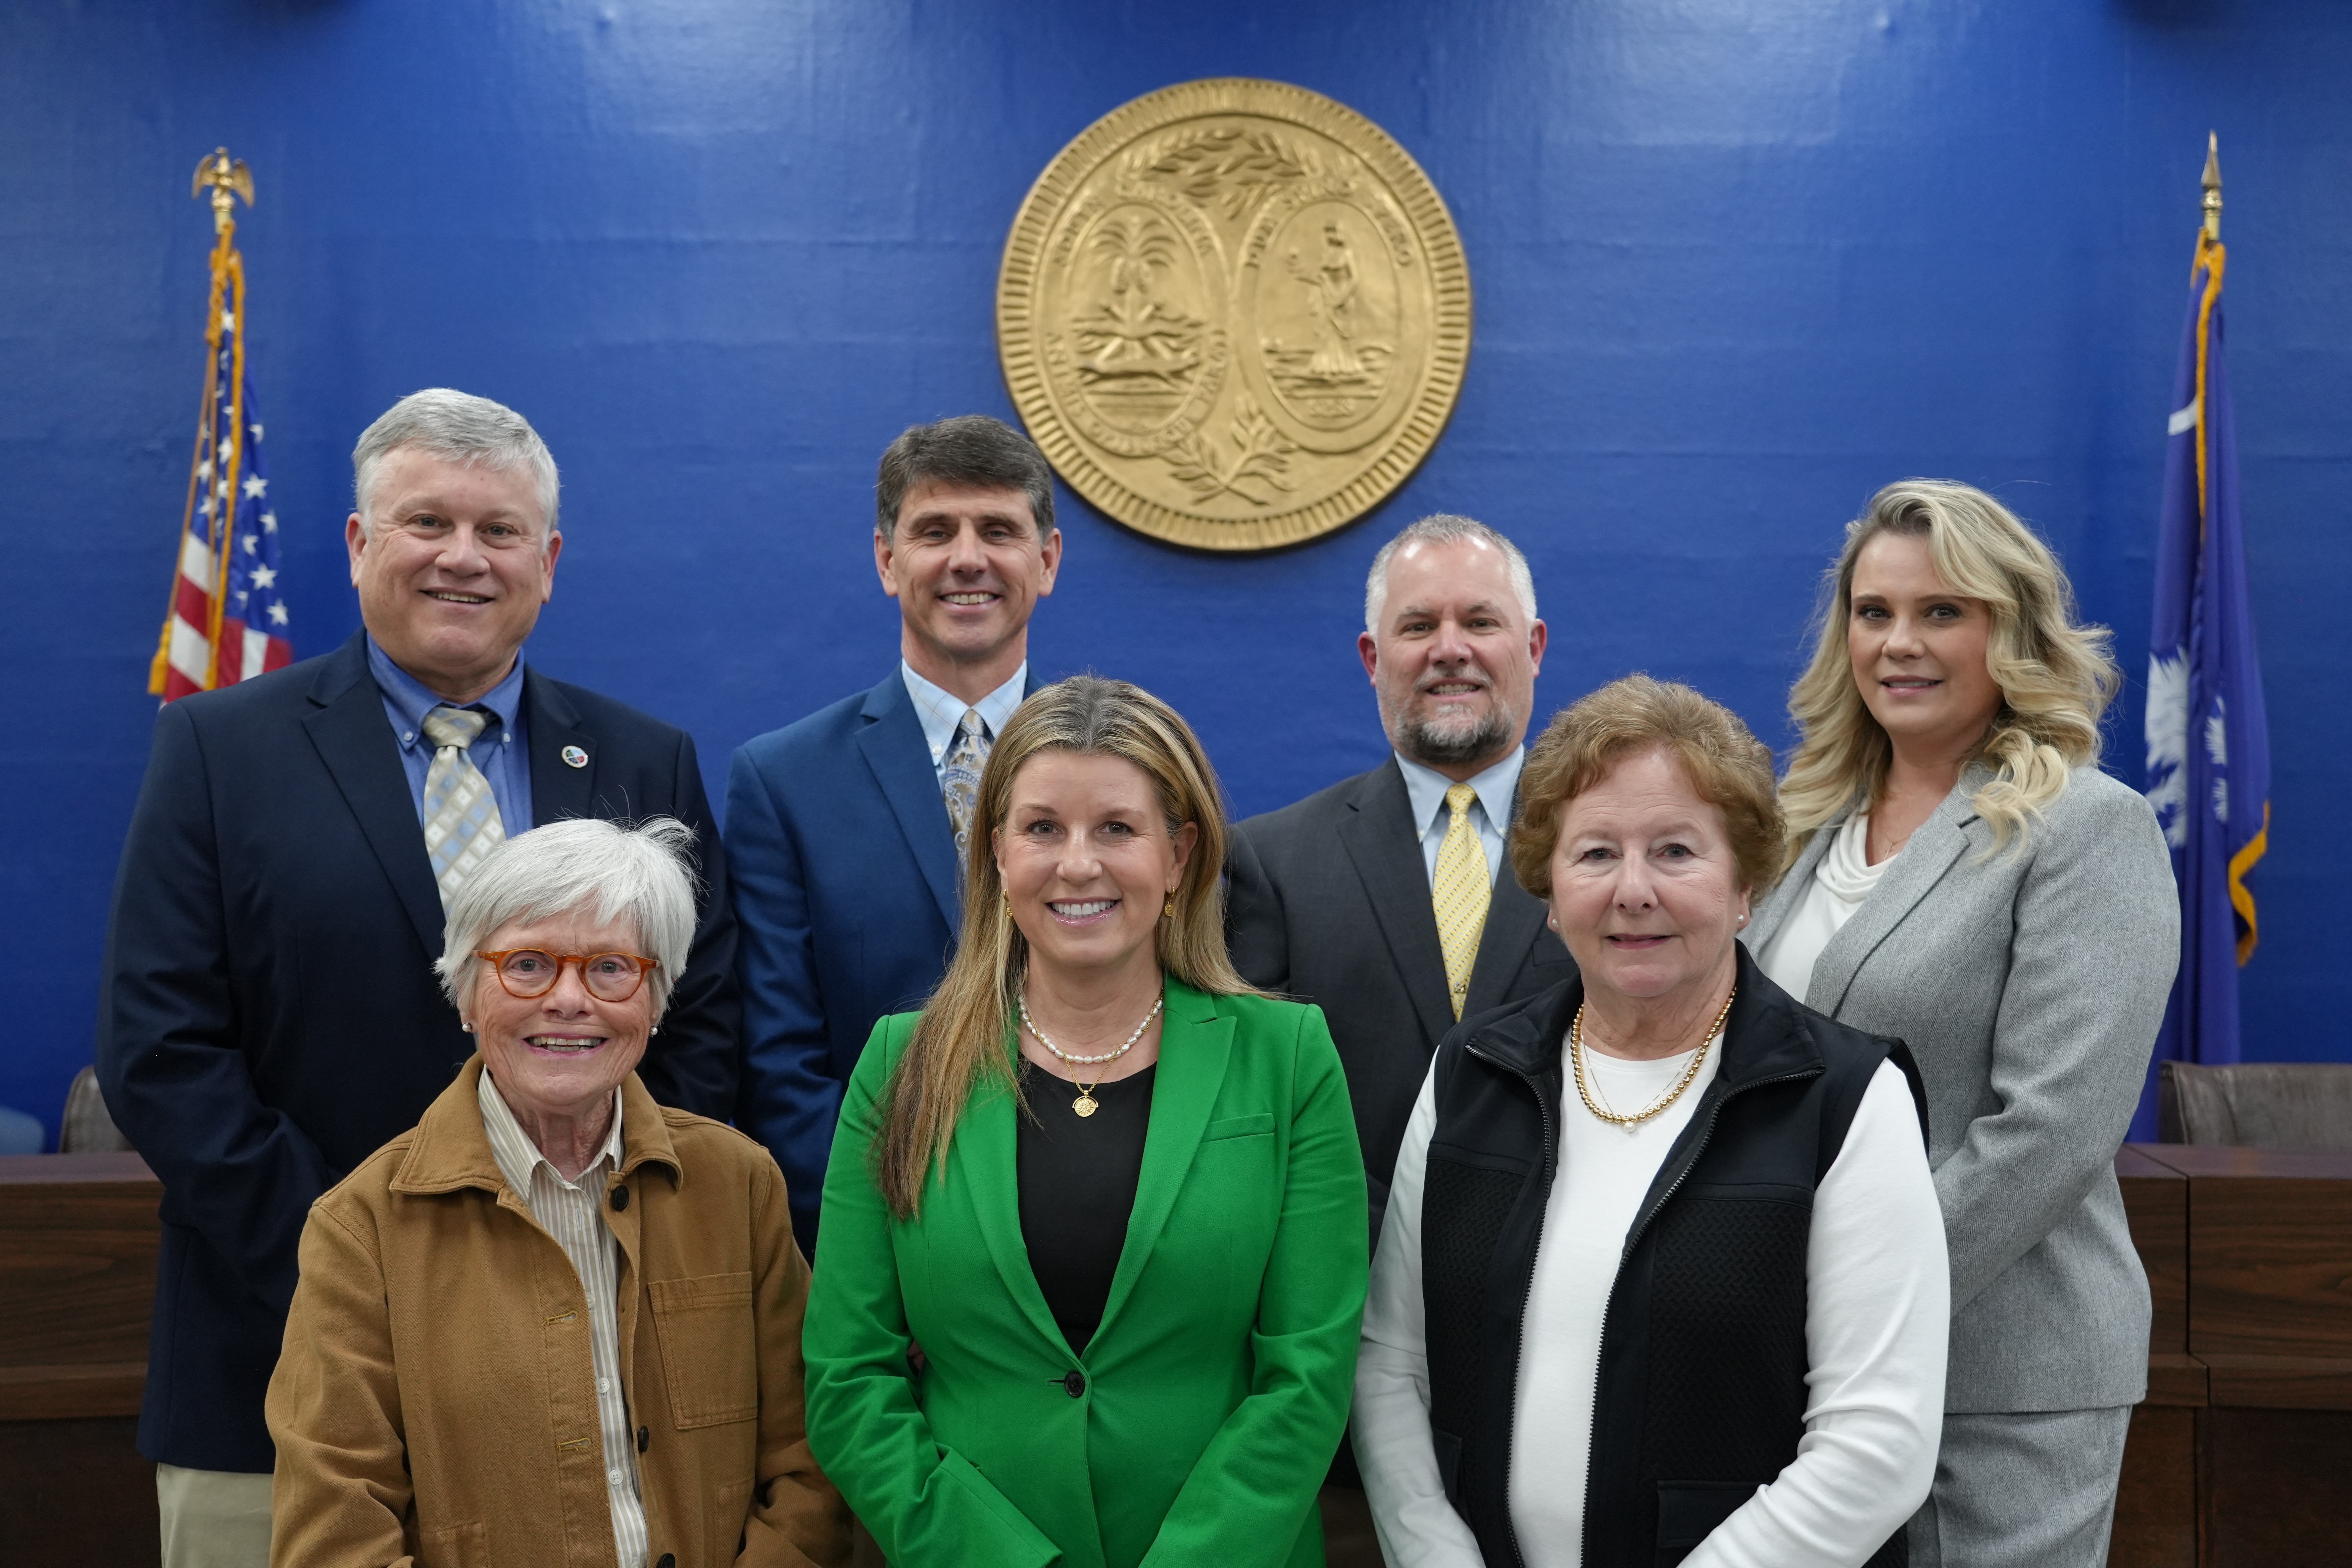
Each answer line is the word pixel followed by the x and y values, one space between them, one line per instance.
pixel 1452 743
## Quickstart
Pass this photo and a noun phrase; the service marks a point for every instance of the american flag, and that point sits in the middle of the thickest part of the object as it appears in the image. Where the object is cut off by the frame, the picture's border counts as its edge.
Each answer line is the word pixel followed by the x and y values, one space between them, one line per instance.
pixel 229 559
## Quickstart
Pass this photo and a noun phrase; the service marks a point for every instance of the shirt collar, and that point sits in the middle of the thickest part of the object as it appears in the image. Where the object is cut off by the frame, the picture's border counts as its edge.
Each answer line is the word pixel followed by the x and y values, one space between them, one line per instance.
pixel 1426 788
pixel 412 699
pixel 517 1155
pixel 940 711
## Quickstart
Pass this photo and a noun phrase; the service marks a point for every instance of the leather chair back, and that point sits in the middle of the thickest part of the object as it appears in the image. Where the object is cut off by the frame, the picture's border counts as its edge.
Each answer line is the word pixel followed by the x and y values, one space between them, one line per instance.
pixel 2262 1105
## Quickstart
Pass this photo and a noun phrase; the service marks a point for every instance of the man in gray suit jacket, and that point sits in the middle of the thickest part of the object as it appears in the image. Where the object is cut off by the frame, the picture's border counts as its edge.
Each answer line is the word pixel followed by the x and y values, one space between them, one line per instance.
pixel 1386 899
pixel 1335 899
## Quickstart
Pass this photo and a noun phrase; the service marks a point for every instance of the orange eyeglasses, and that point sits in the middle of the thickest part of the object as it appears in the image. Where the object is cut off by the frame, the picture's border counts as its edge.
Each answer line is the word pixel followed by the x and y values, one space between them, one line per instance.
pixel 526 971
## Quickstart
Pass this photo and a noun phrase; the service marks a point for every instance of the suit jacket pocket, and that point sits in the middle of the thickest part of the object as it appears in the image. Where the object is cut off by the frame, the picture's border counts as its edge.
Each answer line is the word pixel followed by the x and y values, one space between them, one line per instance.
pixel 454 1546
pixel 1688 1513
pixel 708 1358
pixel 1250 1126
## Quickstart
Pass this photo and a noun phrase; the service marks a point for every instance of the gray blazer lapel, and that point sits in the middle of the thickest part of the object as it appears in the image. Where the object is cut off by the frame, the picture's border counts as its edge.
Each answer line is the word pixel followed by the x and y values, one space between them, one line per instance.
pixel 1791 887
pixel 1922 864
pixel 1380 839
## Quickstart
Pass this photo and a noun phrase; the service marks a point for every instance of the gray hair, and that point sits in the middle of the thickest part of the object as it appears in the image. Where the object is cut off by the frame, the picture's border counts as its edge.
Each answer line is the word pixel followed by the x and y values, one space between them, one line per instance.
pixel 970 449
pixel 459 428
pixel 641 875
pixel 1443 528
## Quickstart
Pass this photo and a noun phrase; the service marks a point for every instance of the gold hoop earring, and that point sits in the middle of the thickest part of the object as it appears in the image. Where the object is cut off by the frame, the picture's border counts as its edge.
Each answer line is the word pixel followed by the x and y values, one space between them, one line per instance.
pixel 1168 909
pixel 1007 899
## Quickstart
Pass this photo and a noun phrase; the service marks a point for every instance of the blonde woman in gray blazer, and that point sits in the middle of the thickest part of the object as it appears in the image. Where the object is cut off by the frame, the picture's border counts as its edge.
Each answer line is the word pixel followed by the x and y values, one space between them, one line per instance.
pixel 1960 876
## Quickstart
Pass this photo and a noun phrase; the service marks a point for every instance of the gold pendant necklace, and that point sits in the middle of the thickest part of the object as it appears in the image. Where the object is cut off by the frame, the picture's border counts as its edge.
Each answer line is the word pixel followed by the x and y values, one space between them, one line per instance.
pixel 1086 1104
pixel 1584 1091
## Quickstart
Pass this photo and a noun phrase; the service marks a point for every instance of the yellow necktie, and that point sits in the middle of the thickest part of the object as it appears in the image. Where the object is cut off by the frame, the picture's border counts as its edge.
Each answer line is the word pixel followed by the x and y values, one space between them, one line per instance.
pixel 1463 890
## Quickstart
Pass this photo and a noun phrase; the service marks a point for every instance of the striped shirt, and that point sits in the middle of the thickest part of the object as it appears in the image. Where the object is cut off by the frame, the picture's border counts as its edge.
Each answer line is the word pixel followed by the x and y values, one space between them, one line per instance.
pixel 941 713
pixel 574 1214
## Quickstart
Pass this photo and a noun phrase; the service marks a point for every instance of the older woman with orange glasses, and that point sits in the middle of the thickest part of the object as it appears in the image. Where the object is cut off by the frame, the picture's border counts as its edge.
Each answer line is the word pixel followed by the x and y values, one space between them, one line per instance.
pixel 556 1323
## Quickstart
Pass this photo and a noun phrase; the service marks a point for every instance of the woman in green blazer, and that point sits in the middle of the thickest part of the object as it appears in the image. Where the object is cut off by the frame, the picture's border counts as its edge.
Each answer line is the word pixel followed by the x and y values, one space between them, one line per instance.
pixel 1088 1292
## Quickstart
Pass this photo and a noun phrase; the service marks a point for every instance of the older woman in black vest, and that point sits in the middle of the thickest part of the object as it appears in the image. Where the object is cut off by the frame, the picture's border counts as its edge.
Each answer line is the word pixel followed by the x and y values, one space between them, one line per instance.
pixel 1663 1279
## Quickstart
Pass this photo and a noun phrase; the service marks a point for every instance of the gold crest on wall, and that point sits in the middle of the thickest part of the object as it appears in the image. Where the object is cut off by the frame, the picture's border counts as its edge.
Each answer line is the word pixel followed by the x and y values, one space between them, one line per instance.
pixel 1234 314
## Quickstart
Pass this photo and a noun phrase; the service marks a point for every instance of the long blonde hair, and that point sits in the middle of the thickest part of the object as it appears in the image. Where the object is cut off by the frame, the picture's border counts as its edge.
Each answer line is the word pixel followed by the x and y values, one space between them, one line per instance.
pixel 962 1042
pixel 2055 675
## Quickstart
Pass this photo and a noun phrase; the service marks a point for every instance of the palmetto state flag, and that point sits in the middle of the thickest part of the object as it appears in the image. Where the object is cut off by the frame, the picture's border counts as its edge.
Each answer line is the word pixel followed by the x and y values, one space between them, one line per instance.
pixel 2209 765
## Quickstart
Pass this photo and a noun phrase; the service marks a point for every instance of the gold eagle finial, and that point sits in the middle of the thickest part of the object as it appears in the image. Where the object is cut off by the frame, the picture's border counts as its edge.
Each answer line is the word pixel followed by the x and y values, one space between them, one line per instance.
pixel 228 179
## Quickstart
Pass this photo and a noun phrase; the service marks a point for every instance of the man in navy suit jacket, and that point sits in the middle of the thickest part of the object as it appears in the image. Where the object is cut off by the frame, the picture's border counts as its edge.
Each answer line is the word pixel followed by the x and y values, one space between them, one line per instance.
pixel 839 828
pixel 271 1015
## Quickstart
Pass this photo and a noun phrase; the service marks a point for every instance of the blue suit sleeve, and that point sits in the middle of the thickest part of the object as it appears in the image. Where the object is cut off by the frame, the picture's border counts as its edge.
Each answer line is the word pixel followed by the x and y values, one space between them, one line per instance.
pixel 790 1100
pixel 695 1061
pixel 169 1060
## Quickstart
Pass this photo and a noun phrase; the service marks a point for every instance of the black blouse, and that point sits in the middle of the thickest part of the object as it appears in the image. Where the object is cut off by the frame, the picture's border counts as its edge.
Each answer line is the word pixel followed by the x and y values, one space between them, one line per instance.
pixel 1078 1176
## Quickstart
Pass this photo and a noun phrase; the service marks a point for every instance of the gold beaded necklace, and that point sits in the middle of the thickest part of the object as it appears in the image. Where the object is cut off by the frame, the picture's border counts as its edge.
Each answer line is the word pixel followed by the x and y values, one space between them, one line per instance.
pixel 1615 1118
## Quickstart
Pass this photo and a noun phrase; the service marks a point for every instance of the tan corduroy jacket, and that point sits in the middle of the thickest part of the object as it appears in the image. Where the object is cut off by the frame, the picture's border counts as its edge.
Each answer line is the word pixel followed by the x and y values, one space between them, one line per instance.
pixel 435 1403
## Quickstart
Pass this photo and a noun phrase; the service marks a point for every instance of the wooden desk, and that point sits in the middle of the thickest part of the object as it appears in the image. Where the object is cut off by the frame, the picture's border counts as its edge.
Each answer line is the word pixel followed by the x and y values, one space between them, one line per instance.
pixel 78 1238
pixel 2239 1456
pixel 2241 1452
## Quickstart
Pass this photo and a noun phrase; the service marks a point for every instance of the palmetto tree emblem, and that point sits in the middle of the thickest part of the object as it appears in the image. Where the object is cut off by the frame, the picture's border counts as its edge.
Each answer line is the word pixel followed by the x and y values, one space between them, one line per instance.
pixel 1133 332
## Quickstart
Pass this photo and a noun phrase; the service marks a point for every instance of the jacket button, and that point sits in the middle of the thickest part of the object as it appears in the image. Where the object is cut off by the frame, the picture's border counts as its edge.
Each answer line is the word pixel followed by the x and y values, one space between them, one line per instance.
pixel 1074 1383
pixel 668 1560
pixel 620 1197
pixel 644 1436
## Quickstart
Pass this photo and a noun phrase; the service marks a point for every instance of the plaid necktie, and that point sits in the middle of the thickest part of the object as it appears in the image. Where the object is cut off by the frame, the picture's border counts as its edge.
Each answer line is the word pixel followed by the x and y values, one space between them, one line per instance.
pixel 461 814
pixel 1462 891
pixel 959 777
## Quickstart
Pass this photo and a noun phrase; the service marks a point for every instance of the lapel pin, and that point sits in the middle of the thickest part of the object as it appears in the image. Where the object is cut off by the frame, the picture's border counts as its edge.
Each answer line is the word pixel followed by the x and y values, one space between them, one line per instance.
pixel 573 757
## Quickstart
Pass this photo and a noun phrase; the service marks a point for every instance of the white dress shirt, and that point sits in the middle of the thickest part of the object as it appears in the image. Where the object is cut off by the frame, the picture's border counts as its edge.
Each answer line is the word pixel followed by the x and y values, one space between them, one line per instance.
pixel 940 711
pixel 1843 878
pixel 574 1214
pixel 1490 814
pixel 1878 1302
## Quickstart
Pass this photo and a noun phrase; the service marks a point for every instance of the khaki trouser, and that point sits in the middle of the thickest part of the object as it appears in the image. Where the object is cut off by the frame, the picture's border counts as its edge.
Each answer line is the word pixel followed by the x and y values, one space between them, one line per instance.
pixel 213 1518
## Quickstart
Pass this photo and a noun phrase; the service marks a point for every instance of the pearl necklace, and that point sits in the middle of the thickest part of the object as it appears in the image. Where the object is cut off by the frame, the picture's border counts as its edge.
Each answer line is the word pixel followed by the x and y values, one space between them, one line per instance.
pixel 1616 1118
pixel 1086 1104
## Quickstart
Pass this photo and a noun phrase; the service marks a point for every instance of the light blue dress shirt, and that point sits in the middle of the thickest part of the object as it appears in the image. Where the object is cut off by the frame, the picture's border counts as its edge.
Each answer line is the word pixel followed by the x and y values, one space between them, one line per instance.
pixel 502 750
pixel 1490 814
pixel 940 711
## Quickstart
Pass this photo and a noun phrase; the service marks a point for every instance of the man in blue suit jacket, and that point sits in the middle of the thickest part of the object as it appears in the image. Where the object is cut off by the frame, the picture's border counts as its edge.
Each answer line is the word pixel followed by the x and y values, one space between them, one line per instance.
pixel 843 829
pixel 269 1015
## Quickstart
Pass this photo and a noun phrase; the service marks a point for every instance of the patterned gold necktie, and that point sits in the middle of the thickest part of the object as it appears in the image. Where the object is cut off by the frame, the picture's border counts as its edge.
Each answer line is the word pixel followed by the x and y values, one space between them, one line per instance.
pixel 1463 890
pixel 461 814
pixel 959 777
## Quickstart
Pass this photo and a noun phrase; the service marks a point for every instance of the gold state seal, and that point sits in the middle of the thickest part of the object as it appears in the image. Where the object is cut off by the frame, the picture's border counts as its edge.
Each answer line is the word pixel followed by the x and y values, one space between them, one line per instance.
pixel 1233 313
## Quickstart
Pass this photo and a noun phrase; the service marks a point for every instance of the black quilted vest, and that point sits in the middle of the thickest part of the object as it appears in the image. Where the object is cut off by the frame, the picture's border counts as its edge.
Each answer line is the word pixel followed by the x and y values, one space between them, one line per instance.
pixel 1702 1393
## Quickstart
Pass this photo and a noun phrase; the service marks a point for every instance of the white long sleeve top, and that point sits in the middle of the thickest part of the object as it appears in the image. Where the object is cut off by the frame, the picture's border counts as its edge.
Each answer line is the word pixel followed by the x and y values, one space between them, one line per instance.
pixel 1878 1291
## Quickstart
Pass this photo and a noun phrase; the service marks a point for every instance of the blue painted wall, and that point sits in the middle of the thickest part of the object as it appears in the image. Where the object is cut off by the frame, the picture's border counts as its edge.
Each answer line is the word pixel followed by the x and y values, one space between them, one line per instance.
pixel 1736 264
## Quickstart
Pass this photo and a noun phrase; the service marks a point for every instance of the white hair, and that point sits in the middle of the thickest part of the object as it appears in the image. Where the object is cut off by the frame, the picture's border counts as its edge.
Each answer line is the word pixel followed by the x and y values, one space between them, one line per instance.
pixel 1443 528
pixel 640 875
pixel 457 427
